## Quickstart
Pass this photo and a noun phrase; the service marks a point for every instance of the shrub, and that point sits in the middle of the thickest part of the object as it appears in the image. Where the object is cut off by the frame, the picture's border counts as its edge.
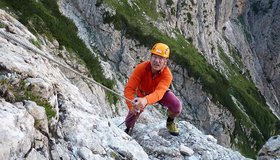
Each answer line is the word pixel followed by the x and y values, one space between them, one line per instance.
pixel 21 92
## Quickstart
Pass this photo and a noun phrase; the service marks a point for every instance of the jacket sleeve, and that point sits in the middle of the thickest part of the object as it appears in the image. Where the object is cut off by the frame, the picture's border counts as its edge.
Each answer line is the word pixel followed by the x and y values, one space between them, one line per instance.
pixel 161 88
pixel 133 83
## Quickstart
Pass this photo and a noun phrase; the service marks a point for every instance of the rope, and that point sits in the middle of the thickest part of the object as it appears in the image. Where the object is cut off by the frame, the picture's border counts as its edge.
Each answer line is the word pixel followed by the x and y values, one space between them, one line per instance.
pixel 36 50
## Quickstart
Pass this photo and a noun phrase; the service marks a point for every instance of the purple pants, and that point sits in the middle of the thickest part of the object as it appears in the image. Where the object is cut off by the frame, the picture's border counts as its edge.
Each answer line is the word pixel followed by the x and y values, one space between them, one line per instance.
pixel 169 100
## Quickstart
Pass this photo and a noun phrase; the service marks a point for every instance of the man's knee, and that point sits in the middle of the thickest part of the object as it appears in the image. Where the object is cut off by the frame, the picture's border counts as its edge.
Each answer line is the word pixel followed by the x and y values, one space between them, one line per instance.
pixel 175 109
pixel 177 106
pixel 172 102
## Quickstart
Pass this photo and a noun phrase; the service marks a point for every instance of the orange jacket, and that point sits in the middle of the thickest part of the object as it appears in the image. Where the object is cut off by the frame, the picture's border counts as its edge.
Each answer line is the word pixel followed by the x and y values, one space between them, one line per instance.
pixel 142 83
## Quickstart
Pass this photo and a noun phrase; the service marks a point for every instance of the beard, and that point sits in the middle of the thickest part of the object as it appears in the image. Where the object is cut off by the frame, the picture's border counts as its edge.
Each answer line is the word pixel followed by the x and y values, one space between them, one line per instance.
pixel 157 66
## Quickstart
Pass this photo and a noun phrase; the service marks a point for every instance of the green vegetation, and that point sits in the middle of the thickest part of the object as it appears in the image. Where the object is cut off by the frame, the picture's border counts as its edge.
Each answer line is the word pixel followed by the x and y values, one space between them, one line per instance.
pixel 3 4
pixel 189 18
pixel 22 92
pixel 169 2
pixel 236 56
pixel 136 10
pixel 2 25
pixel 36 43
pixel 43 17
pixel 257 7
pixel 192 2
pixel 173 11
pixel 245 28
pixel 270 3
pixel 253 102
pixel 260 125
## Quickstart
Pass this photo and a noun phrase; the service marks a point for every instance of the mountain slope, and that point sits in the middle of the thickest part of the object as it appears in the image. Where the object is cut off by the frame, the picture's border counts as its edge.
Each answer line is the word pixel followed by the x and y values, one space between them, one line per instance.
pixel 227 89
pixel 218 98
pixel 81 127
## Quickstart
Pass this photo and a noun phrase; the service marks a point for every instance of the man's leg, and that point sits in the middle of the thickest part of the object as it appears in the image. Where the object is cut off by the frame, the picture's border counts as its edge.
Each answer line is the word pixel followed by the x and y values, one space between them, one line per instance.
pixel 130 121
pixel 174 106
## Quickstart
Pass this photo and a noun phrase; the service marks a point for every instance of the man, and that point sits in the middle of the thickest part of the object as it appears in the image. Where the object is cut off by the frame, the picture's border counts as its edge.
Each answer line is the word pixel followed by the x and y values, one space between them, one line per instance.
pixel 149 82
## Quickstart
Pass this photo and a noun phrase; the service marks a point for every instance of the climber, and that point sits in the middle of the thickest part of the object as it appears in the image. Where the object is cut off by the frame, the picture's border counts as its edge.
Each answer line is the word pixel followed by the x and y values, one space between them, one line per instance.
pixel 149 84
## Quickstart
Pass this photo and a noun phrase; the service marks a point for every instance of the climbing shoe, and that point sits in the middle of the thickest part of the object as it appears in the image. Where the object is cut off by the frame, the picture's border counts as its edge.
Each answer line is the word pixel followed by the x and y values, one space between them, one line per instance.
pixel 173 130
pixel 128 131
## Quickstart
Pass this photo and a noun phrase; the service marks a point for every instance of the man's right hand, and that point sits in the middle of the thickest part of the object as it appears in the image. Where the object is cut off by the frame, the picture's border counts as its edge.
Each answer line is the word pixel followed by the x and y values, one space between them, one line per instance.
pixel 139 103
pixel 135 107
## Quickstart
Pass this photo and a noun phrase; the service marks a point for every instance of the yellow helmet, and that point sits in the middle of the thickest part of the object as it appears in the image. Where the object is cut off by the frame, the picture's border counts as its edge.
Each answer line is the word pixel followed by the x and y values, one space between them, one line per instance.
pixel 161 49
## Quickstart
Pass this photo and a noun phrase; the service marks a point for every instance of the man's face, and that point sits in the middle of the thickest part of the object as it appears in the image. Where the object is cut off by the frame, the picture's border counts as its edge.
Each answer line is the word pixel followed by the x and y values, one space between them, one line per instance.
pixel 157 62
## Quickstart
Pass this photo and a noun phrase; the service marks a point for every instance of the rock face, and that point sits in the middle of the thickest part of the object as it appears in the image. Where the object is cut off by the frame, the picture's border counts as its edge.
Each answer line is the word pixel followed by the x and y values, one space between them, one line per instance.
pixel 263 22
pixel 57 115
pixel 271 150
pixel 157 142
pixel 124 53
pixel 210 25
pixel 19 137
